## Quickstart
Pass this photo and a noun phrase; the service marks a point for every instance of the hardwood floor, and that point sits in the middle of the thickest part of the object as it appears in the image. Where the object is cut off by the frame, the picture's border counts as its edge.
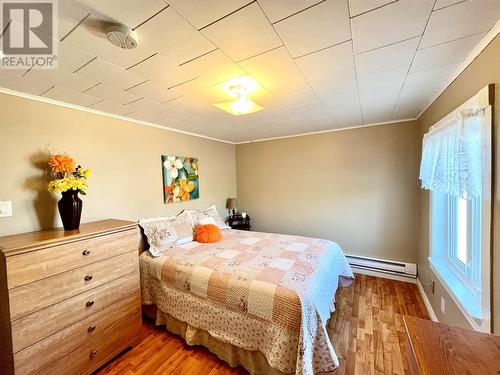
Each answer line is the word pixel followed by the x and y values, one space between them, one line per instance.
pixel 367 332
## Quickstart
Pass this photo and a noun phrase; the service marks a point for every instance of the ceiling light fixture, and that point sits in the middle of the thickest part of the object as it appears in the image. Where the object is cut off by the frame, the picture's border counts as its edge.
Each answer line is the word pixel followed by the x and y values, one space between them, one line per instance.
pixel 240 88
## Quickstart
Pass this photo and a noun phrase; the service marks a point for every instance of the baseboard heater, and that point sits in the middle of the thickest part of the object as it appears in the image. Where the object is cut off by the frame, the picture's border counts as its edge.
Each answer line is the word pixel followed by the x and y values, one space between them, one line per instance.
pixel 408 270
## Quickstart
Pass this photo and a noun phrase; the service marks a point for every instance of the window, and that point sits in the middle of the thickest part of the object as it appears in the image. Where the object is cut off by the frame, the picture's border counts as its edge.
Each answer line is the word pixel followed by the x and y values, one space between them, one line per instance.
pixel 456 252
pixel 456 168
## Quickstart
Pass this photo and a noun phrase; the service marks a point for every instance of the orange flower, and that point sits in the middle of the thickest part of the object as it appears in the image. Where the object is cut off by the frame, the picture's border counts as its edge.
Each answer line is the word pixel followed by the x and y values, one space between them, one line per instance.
pixel 62 163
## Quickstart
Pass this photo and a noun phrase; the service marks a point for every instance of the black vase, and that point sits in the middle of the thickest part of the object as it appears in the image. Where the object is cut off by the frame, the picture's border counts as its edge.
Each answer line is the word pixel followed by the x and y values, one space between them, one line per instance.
pixel 70 209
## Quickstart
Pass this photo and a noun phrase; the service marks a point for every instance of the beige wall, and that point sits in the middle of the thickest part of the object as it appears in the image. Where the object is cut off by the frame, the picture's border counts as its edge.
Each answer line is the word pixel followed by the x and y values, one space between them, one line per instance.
pixel 355 187
pixel 124 156
pixel 484 69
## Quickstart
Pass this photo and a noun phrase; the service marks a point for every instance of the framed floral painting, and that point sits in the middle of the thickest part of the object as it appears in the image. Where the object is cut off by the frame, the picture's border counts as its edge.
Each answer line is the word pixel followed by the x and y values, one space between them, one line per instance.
pixel 180 178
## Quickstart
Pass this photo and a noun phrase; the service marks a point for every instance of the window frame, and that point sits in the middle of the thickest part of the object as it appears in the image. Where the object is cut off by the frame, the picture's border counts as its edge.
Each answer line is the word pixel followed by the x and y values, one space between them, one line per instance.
pixel 450 274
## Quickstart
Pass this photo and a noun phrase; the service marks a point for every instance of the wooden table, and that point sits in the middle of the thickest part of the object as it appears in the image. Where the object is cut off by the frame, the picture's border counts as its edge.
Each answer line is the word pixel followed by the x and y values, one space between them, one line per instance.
pixel 439 349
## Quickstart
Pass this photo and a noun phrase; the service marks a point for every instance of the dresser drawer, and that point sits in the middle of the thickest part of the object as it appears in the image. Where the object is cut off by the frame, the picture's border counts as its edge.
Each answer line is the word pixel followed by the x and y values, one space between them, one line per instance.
pixel 28 267
pixel 34 327
pixel 94 354
pixel 32 297
pixel 47 351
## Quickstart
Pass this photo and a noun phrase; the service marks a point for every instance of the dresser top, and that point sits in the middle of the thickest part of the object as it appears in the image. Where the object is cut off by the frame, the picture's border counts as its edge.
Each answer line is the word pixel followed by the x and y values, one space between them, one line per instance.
pixel 441 349
pixel 19 243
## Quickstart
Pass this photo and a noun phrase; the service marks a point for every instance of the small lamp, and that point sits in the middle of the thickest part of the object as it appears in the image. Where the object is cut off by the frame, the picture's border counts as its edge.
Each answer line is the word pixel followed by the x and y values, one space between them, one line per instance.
pixel 231 205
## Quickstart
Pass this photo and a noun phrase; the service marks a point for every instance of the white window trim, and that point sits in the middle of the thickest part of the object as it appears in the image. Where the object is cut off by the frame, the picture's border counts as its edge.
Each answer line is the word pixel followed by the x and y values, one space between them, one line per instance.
pixel 478 316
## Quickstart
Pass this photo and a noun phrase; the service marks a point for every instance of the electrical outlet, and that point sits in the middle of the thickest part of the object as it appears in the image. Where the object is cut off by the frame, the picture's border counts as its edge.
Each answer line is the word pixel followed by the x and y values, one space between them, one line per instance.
pixel 442 305
pixel 5 208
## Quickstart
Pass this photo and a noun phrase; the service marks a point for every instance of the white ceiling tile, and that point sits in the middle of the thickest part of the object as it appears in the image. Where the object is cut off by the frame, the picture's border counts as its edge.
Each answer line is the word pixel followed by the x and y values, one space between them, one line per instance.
pixel 70 13
pixel 461 20
pixel 405 111
pixel 62 78
pixel 147 105
pixel 385 58
pixel 415 96
pixel 266 66
pixel 110 74
pixel 71 58
pixel 213 67
pixel 348 118
pixel 335 84
pixel 378 115
pixel 89 36
pixel 244 33
pixel 330 61
pixel 22 84
pixel 128 12
pixel 284 85
pixel 110 107
pixel 393 23
pixel 375 90
pixel 300 97
pixel 153 91
pixel 431 79
pixel 160 69
pixel 145 116
pixel 446 53
pixel 277 10
pixel 111 94
pixel 445 3
pixel 326 23
pixel 361 6
pixel 69 96
pixel 201 13
pixel 178 42
pixel 199 89
pixel 276 71
pixel 344 106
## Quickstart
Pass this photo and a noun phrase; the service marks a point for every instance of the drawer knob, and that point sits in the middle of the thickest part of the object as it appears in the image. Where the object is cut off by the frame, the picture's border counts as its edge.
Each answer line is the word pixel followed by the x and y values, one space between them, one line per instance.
pixel 91 328
pixel 86 252
pixel 88 277
pixel 89 303
pixel 93 353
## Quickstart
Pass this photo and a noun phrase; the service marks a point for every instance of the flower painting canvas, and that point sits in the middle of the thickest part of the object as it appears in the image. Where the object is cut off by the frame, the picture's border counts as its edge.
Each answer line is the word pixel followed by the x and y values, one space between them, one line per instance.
pixel 180 178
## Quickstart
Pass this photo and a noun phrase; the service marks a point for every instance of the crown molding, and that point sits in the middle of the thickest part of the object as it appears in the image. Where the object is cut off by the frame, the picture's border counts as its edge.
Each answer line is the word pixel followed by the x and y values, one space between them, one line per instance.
pixel 488 38
pixel 97 112
pixel 327 131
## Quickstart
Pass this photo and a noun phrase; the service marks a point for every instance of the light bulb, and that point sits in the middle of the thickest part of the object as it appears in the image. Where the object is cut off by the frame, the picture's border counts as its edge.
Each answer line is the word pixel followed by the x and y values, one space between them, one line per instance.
pixel 242 105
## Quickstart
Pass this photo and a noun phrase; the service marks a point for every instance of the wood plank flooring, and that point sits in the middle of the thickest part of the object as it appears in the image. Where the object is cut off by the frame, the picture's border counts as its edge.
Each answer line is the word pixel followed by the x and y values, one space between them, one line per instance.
pixel 367 332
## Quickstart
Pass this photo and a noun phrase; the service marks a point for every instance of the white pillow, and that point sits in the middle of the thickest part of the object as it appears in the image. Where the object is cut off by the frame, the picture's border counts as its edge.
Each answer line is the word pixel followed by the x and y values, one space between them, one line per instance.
pixel 201 217
pixel 164 233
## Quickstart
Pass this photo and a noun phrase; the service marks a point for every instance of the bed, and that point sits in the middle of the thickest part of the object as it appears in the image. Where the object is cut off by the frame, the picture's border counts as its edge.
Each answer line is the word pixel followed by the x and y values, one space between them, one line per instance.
pixel 259 300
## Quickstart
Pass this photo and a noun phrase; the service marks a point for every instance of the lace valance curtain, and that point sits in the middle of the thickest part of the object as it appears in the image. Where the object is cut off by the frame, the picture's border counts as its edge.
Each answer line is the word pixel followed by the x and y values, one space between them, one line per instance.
pixel 453 155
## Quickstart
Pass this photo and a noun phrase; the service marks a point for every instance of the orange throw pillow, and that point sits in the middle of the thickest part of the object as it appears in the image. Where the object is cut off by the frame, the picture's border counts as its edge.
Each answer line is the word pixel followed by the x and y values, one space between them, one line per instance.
pixel 207 233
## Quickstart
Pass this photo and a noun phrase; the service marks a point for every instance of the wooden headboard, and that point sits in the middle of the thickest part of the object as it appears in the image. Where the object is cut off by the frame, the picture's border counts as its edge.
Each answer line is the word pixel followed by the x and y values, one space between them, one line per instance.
pixel 143 242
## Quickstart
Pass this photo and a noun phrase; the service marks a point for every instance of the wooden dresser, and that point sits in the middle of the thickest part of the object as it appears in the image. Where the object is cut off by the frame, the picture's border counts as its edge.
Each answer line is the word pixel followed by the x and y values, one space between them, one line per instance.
pixel 69 301
pixel 438 349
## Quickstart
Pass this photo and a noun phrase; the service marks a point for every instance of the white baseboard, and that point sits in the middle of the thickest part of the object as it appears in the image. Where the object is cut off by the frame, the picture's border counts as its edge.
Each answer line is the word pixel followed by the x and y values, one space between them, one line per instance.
pixel 384 275
pixel 427 303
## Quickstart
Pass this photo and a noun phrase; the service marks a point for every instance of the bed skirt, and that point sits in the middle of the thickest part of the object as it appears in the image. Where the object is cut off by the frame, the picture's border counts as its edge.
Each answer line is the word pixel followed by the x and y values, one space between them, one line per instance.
pixel 253 361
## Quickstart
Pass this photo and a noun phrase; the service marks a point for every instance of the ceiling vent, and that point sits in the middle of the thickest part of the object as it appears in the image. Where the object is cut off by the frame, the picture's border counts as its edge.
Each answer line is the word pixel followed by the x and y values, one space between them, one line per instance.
pixel 121 36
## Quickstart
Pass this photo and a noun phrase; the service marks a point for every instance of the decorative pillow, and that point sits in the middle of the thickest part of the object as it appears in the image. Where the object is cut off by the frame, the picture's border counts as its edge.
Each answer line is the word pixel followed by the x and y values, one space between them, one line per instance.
pixel 207 233
pixel 164 233
pixel 201 217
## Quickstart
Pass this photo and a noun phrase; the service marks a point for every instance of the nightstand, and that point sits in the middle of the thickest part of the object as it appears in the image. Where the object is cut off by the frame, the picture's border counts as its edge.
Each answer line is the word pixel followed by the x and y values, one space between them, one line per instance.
pixel 238 222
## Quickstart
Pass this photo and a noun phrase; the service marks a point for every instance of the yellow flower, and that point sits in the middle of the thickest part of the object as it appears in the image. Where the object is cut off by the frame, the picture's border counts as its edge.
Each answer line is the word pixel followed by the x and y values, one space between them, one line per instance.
pixel 85 173
pixel 185 188
pixel 61 185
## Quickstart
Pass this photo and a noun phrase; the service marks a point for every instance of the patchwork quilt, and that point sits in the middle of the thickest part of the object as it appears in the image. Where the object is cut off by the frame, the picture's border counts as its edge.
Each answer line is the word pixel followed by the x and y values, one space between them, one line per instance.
pixel 258 291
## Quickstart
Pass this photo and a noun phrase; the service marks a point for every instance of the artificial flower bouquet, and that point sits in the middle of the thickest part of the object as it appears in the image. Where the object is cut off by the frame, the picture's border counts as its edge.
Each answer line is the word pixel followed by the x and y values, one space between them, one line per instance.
pixel 68 177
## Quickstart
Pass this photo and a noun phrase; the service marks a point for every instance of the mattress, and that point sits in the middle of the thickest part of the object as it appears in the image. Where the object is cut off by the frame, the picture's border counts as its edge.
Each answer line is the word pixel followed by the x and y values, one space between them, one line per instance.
pixel 258 291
